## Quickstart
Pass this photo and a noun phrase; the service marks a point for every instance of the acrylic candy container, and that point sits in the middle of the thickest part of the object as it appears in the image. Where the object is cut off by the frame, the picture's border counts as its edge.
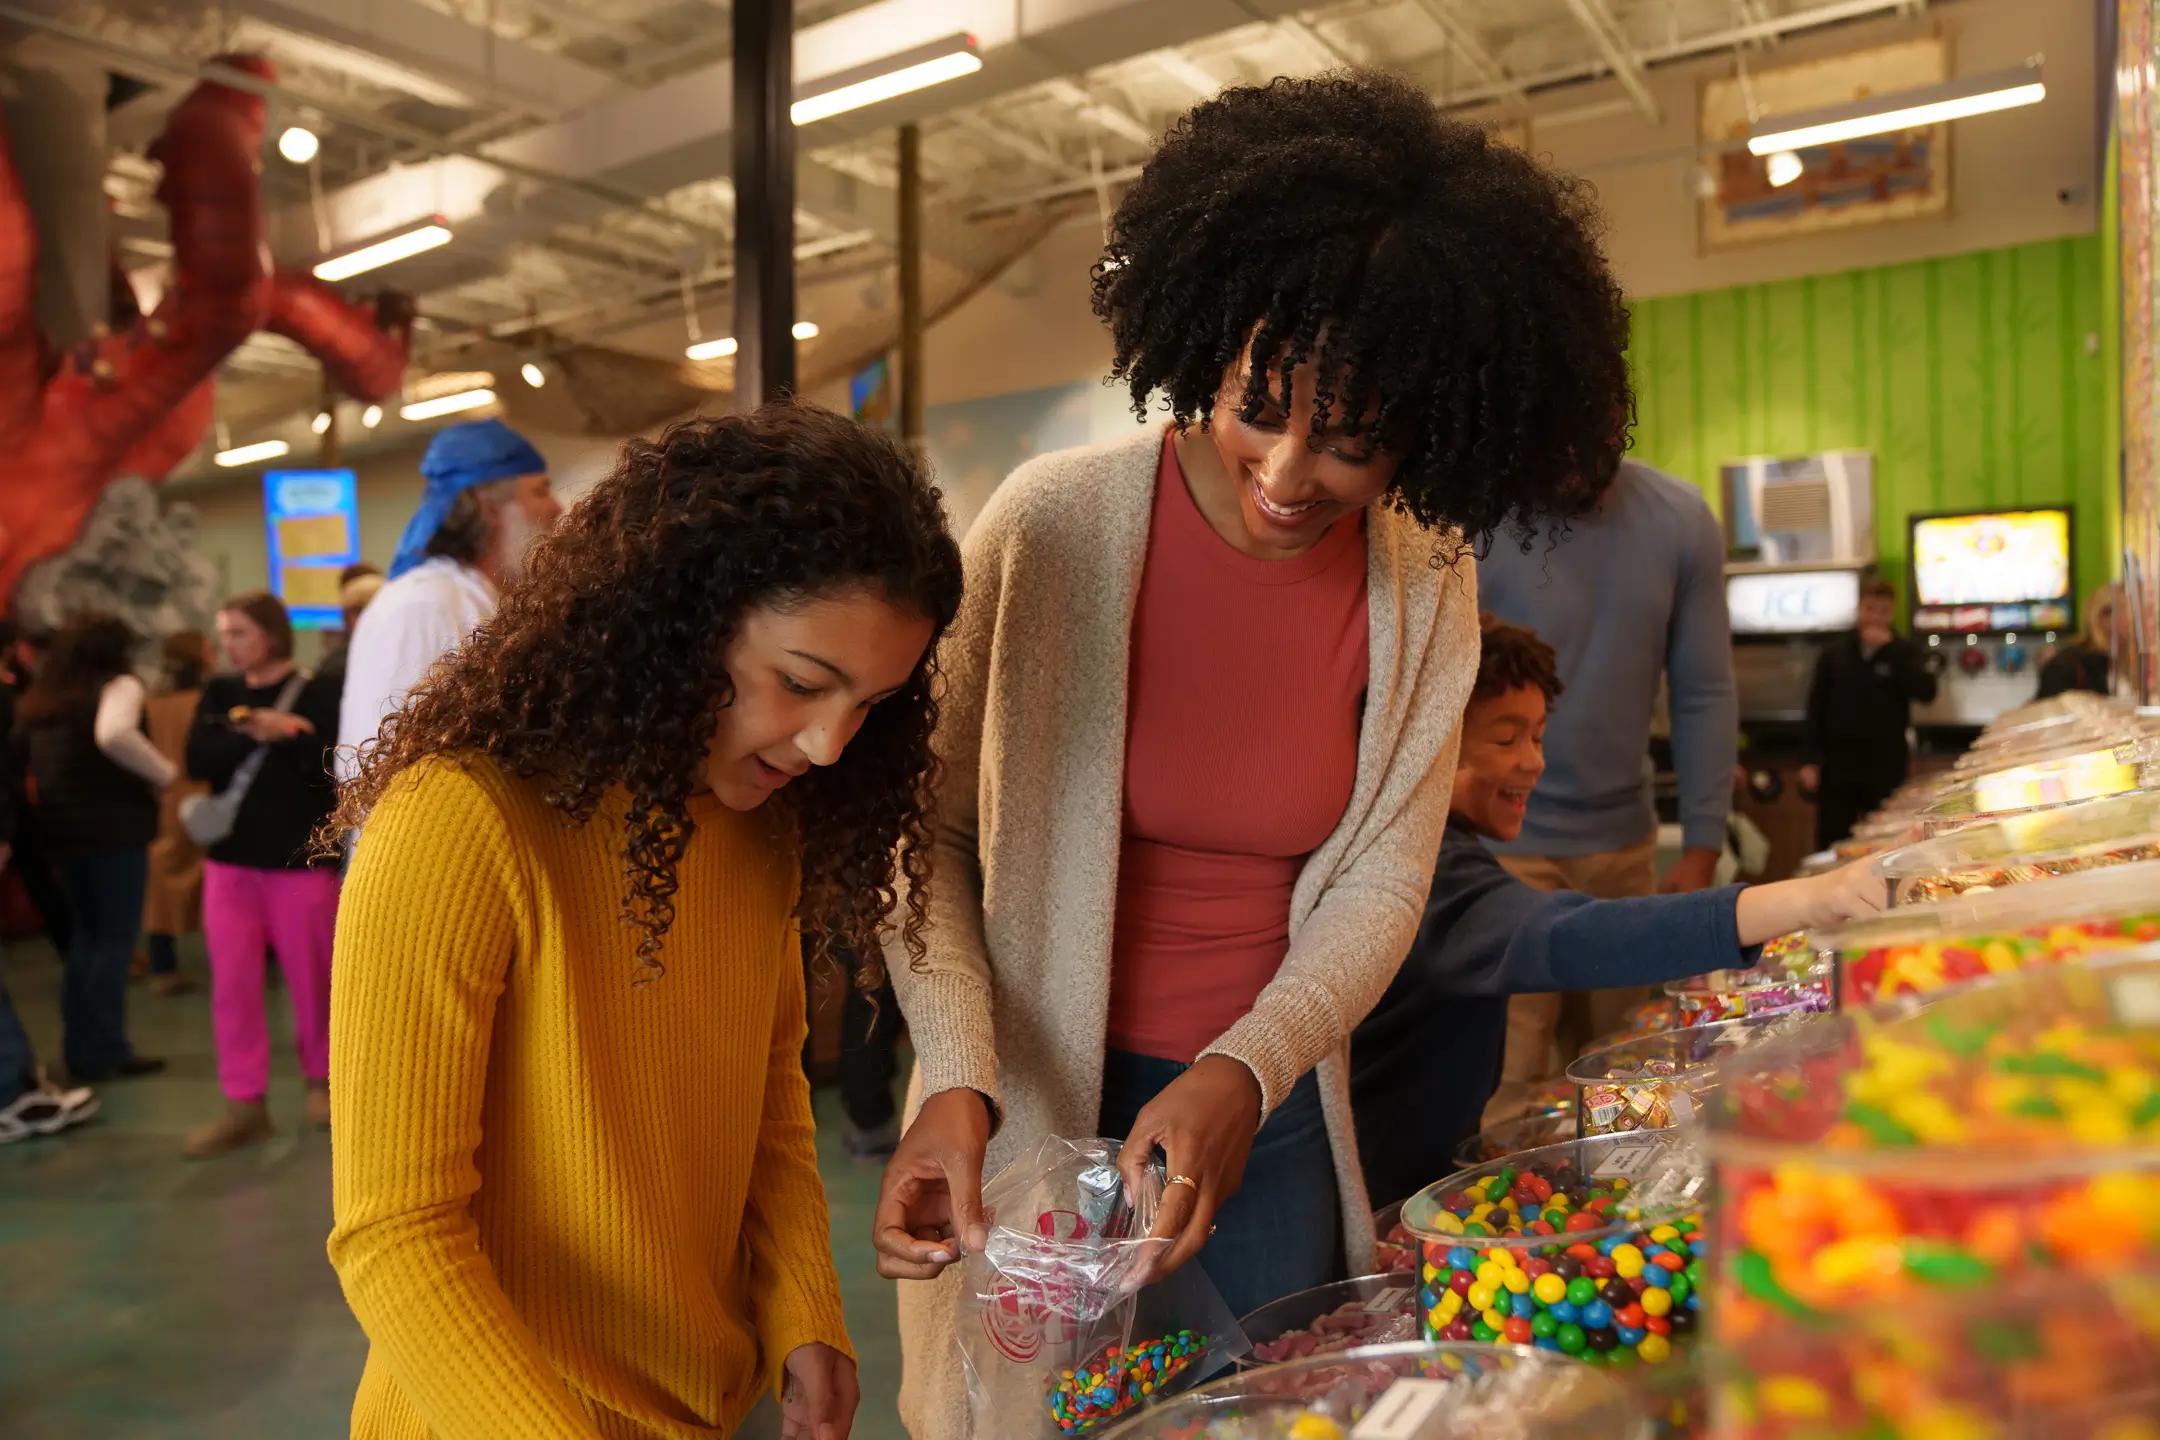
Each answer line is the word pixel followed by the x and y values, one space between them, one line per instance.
pixel 2022 847
pixel 1920 949
pixel 1445 1392
pixel 1655 1082
pixel 1791 978
pixel 1592 1248
pixel 1942 1218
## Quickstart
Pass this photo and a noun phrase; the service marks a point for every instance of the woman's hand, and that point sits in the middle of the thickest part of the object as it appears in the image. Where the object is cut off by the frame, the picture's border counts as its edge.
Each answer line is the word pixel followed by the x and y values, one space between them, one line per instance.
pixel 929 1210
pixel 817 1400
pixel 1203 1122
pixel 271 727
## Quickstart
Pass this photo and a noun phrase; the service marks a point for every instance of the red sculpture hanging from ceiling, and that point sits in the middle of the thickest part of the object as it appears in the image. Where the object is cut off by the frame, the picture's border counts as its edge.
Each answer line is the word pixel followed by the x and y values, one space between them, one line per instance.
pixel 136 398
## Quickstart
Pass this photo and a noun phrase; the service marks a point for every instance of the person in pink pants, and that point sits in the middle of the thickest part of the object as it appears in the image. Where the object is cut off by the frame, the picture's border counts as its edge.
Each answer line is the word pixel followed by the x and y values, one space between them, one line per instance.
pixel 263 730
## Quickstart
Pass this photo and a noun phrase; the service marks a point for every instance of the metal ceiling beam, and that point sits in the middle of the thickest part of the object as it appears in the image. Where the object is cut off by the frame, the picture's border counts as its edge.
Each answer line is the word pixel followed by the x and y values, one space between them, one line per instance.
pixel 1709 42
pixel 1014 143
pixel 1102 113
pixel 468 59
pixel 1463 43
pixel 1188 72
pixel 1611 42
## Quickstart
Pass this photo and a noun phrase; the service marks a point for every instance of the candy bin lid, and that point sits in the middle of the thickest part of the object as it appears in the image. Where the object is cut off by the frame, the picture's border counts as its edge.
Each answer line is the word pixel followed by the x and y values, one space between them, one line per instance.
pixel 1509 1137
pixel 1363 1310
pixel 2130 891
pixel 1649 1177
pixel 1475 1392
pixel 1687 1050
pixel 2011 1081
pixel 2085 774
pixel 2027 843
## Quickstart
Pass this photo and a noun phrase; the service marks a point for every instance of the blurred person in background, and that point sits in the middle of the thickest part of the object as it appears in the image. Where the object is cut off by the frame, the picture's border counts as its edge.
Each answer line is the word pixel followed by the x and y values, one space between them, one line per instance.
pixel 21 651
pixel 98 779
pixel 1859 713
pixel 1630 596
pixel 261 889
pixel 174 905
pixel 487 499
pixel 29 1107
pixel 2088 662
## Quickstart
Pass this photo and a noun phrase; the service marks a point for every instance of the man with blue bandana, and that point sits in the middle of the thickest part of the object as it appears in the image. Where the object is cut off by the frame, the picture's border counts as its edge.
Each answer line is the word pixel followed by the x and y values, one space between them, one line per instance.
pixel 487 499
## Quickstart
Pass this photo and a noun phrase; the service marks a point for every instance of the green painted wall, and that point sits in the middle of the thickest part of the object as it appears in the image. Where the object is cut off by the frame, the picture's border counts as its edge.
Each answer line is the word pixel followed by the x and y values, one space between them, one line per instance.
pixel 1971 378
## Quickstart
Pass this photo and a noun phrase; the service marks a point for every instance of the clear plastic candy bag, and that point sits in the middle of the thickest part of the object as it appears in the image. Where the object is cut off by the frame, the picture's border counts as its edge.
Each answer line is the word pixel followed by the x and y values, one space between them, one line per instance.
pixel 1055 1338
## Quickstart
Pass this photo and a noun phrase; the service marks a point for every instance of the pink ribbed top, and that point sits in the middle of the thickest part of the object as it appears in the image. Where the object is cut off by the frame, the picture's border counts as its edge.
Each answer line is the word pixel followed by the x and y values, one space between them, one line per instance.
pixel 1247 681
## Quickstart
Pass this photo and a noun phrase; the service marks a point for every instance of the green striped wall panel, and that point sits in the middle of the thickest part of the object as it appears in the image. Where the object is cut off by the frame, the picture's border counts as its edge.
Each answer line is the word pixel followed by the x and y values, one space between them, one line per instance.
pixel 1967 376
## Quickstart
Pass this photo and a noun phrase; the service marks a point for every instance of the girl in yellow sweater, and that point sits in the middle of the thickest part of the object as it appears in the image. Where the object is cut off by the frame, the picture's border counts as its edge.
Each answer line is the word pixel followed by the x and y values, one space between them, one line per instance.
pixel 574 1180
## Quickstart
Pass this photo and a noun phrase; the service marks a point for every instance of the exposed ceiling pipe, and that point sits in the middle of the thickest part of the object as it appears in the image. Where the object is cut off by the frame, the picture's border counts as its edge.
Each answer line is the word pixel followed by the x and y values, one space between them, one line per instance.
pixel 1709 43
pixel 144 64
pixel 1611 42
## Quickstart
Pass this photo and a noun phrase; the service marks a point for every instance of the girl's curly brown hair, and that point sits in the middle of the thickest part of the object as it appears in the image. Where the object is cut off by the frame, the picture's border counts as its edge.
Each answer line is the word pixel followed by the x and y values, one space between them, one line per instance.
pixel 604 665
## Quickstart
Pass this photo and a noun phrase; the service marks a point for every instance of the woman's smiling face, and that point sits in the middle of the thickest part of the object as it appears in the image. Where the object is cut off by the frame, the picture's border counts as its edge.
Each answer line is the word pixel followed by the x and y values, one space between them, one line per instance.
pixel 1289 494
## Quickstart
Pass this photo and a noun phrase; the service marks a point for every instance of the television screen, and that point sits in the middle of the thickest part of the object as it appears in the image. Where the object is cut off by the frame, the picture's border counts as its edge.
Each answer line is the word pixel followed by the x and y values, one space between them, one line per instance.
pixel 1991 570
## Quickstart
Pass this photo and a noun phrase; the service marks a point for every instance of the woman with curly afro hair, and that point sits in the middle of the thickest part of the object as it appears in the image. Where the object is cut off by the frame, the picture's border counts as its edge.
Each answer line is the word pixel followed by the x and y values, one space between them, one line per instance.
pixel 1206 683
pixel 574 1181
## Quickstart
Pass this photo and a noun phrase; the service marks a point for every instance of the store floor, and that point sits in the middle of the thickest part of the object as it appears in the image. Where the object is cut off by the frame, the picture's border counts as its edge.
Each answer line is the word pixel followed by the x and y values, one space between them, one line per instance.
pixel 142 1295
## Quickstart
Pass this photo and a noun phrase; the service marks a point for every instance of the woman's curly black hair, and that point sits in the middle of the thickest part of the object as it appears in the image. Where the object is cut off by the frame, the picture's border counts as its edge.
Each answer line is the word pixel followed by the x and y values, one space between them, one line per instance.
pixel 1449 289
pixel 605 664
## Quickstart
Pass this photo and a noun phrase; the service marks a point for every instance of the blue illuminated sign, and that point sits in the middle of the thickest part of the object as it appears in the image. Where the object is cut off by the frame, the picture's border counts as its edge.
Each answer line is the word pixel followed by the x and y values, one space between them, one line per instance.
pixel 312 523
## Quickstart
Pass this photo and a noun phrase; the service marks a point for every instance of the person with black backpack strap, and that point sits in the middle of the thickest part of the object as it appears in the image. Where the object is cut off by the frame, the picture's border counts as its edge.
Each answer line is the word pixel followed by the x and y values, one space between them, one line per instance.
pixel 261 742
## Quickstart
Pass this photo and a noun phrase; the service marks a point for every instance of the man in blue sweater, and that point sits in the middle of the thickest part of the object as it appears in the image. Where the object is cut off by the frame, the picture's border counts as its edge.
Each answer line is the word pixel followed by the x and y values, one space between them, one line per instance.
pixel 1630 597
pixel 1427 1059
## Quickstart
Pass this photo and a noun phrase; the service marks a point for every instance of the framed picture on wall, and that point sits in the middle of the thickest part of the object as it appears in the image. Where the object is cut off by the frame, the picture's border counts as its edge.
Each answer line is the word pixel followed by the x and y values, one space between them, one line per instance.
pixel 1753 199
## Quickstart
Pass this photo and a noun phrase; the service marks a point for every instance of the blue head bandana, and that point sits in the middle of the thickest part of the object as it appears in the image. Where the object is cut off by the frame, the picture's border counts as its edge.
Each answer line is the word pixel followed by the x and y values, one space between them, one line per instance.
pixel 478 452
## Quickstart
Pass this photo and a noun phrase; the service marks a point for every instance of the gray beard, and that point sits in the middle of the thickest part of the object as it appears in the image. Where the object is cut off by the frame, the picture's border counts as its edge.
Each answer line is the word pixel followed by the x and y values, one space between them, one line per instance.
pixel 514 537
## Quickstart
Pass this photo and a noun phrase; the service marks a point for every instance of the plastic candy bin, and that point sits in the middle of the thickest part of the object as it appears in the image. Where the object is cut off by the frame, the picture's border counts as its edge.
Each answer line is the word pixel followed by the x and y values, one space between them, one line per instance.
pixel 1944 1220
pixel 1515 1136
pixel 1470 1392
pixel 2025 846
pixel 1924 948
pixel 1590 1248
pixel 1654 1083
pixel 1367 1310
pixel 1791 978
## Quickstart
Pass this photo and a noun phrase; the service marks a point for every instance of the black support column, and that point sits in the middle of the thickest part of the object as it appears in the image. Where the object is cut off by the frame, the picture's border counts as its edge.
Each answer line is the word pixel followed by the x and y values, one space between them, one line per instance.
pixel 764 201
pixel 911 307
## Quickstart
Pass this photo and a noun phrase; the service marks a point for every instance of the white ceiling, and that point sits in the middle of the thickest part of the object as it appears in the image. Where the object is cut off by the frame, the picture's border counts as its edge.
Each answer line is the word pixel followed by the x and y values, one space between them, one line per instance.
pixel 580 146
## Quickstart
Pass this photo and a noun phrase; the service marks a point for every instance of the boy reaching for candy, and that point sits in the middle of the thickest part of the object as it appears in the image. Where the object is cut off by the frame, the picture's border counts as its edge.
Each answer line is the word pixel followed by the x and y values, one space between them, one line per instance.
pixel 1427 1059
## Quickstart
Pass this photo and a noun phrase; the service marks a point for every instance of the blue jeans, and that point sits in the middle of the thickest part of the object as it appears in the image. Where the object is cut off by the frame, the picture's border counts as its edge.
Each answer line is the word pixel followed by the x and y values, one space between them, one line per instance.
pixel 105 905
pixel 1282 1232
pixel 18 1066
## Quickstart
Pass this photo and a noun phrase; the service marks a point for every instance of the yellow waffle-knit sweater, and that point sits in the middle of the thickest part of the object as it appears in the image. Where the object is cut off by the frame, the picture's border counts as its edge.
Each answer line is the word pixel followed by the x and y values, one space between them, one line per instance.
pixel 568 1205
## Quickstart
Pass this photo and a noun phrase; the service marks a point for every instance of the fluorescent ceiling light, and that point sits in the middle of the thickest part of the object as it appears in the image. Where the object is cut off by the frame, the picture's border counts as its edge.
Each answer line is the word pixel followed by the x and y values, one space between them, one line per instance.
pixel 1785 167
pixel 371 417
pixel 321 423
pixel 249 454
pixel 298 144
pixel 916 69
pixel 400 245
pixel 449 404
pixel 534 375
pixel 806 330
pixel 1901 110
pixel 718 349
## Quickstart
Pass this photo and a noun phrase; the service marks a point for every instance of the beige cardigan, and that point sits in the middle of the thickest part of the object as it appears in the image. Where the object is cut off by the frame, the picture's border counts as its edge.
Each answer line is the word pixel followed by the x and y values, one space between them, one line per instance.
pixel 1013 1000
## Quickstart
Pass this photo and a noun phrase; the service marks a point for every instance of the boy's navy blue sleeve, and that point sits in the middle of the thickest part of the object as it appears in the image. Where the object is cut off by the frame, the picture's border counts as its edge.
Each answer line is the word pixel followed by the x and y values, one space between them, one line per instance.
pixel 1487 933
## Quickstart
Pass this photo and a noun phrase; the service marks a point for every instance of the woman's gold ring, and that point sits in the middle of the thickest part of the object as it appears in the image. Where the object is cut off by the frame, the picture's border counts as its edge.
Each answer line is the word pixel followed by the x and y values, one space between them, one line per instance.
pixel 1185 1180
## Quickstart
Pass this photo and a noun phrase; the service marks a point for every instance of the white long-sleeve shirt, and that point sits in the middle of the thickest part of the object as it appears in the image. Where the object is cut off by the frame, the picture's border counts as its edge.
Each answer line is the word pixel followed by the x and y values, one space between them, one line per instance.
pixel 119 733
pixel 412 622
